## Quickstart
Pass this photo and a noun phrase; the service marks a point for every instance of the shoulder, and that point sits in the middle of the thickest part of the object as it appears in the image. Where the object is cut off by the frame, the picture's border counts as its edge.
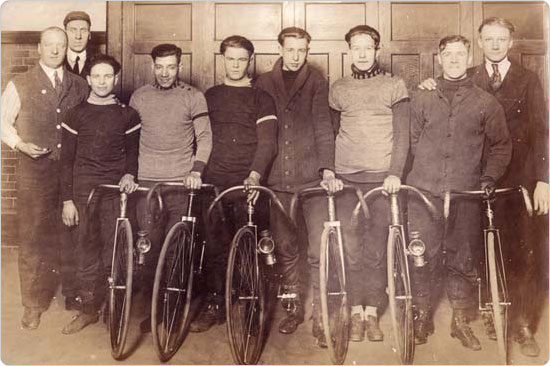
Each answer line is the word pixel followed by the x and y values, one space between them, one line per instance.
pixel 213 91
pixel 475 70
pixel 79 81
pixel 264 78
pixel 142 90
pixel 189 89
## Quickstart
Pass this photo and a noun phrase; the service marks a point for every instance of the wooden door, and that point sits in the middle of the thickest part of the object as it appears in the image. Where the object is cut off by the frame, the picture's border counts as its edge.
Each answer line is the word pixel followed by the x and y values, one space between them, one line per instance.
pixel 410 32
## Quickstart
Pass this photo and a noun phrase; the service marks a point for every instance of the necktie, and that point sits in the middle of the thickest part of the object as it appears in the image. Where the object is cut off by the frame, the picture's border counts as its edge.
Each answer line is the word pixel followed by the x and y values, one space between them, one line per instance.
pixel 496 79
pixel 58 86
pixel 76 68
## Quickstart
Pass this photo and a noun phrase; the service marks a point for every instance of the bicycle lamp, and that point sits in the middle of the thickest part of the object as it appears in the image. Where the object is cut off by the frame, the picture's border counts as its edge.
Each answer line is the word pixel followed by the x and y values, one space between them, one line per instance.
pixel 143 245
pixel 417 249
pixel 266 246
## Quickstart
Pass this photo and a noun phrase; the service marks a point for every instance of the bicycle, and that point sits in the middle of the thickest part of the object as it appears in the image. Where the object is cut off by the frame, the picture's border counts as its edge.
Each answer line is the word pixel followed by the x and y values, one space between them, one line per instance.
pixel 122 271
pixel 492 291
pixel 245 287
pixel 173 283
pixel 399 285
pixel 335 312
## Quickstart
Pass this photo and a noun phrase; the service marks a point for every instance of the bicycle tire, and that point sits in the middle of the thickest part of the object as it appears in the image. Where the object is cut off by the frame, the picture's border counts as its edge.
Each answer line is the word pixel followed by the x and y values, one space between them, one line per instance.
pixel 120 288
pixel 334 301
pixel 400 297
pixel 498 306
pixel 172 291
pixel 245 299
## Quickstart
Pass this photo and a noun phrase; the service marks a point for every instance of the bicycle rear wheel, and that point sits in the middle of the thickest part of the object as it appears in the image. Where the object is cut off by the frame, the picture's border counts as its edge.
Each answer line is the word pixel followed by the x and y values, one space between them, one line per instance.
pixel 334 300
pixel 400 298
pixel 172 291
pixel 498 297
pixel 120 287
pixel 245 299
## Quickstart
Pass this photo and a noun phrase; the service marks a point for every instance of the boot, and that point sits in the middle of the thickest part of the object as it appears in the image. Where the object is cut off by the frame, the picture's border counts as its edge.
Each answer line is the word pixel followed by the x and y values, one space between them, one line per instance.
pixel 489 325
pixel 317 327
pixel 30 319
pixel 461 330
pixel 294 313
pixel 80 321
pixel 357 328
pixel 374 333
pixel 527 343
pixel 212 312
pixel 423 325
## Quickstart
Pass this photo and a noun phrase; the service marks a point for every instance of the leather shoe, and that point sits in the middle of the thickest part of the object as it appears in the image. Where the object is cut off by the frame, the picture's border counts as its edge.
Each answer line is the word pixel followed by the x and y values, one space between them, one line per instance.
pixel 72 303
pixel 209 315
pixel 527 343
pixel 489 325
pixel 79 322
pixel 294 317
pixel 30 319
pixel 461 330
pixel 374 333
pixel 357 328
pixel 423 326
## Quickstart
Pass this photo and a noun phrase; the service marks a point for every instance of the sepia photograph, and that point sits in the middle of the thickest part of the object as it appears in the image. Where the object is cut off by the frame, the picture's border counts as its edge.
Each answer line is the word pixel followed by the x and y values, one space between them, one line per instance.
pixel 274 182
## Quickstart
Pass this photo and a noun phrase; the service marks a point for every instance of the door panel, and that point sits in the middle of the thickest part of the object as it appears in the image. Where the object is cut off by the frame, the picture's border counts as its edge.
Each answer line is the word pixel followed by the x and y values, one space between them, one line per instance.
pixel 410 32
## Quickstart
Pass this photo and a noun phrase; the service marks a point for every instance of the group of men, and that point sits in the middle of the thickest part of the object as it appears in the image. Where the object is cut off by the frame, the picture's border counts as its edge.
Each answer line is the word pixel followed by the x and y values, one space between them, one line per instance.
pixel 477 128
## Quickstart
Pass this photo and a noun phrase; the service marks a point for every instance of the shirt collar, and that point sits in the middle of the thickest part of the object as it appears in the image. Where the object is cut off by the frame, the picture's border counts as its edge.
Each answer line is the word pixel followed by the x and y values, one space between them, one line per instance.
pixel 71 56
pixel 50 72
pixel 503 66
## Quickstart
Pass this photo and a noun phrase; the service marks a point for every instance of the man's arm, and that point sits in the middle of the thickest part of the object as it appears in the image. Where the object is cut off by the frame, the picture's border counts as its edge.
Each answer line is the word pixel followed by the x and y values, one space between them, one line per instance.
pixel 203 132
pixel 499 150
pixel 266 132
pixel 416 122
pixel 11 105
pixel 322 127
pixel 69 138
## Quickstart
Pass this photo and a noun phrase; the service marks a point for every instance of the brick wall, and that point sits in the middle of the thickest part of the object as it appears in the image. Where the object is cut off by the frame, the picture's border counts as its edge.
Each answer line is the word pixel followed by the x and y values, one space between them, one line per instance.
pixel 19 54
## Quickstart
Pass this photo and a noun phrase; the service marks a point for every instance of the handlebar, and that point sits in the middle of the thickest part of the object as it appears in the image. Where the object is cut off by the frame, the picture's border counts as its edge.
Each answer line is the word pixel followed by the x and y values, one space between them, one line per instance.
pixel 379 190
pixel 117 188
pixel 481 194
pixel 266 190
pixel 316 190
pixel 175 184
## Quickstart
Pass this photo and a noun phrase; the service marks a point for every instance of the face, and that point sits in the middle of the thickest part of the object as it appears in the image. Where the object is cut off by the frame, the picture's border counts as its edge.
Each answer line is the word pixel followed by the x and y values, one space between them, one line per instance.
pixel 454 59
pixel 53 48
pixel 166 70
pixel 102 79
pixel 294 52
pixel 495 41
pixel 236 61
pixel 78 33
pixel 363 51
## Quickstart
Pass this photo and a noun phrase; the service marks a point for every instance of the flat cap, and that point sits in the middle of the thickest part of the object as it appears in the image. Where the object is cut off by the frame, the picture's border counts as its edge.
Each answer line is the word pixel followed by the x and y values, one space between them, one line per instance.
pixel 76 15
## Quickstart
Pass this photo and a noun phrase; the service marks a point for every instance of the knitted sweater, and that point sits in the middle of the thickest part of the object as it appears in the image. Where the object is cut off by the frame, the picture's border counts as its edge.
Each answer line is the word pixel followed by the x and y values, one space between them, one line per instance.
pixel 173 120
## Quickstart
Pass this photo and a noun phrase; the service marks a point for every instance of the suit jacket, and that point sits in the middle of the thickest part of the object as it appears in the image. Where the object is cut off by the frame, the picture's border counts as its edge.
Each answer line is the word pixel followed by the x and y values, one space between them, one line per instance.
pixel 522 98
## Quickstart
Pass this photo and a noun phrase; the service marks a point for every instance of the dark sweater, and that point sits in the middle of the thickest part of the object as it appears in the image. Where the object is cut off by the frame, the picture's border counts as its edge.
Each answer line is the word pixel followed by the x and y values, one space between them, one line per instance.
pixel 244 133
pixel 100 145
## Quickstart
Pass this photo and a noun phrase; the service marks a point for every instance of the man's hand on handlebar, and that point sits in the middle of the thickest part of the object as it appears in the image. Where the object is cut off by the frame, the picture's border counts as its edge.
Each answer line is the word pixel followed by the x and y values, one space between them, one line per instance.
pixel 193 180
pixel 392 184
pixel 488 185
pixel 330 183
pixel 540 198
pixel 128 184
pixel 253 179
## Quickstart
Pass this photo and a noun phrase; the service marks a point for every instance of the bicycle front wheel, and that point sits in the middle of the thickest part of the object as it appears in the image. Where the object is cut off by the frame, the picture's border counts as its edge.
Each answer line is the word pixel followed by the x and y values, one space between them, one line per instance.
pixel 400 298
pixel 334 300
pixel 120 287
pixel 245 299
pixel 498 297
pixel 172 291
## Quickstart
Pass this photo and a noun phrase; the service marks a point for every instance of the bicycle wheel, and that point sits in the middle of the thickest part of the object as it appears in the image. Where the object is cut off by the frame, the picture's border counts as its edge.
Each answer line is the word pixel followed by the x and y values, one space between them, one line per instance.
pixel 400 298
pixel 498 297
pixel 172 291
pixel 120 287
pixel 245 299
pixel 334 299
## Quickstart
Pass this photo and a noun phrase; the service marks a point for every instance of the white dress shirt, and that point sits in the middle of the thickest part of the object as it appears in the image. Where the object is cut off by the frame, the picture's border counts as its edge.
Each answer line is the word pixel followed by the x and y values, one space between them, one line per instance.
pixel 503 67
pixel 71 58
pixel 11 105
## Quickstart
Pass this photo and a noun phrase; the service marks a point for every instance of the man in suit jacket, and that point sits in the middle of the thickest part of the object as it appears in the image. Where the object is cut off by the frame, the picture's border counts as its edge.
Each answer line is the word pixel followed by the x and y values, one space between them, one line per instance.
pixel 520 93
pixel 38 101
pixel 77 26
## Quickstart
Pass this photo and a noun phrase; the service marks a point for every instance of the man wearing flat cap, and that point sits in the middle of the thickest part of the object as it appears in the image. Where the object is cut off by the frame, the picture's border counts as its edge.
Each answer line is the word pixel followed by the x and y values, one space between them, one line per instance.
pixel 77 26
